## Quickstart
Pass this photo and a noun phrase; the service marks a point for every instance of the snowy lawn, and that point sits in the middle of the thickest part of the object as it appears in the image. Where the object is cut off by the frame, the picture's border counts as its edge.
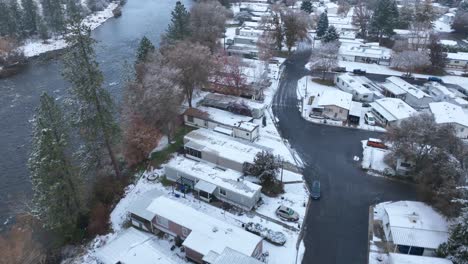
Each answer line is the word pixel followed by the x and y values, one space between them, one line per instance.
pixel 36 47
pixel 295 197
pixel 373 158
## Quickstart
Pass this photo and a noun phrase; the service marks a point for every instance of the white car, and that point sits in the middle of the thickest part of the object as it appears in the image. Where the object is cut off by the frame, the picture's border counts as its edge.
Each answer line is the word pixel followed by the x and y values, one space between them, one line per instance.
pixel 369 119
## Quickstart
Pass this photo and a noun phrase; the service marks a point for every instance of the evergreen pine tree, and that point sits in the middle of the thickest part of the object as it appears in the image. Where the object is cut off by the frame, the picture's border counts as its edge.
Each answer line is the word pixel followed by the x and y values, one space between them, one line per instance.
pixel 74 10
pixel 406 17
pixel 94 113
pixel 306 6
pixel 384 19
pixel 53 15
pixel 144 48
pixel 15 27
pixel 57 196
pixel 42 29
pixel 30 16
pixel 455 248
pixel 178 29
pixel 322 24
pixel 4 19
pixel 331 35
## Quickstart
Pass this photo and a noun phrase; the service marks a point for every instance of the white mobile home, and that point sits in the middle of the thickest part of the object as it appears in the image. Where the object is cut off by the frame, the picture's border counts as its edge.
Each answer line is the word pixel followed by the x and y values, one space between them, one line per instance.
pixel 391 111
pixel 457 60
pixel 221 150
pixel 412 95
pixel 223 122
pixel 212 182
pixel 204 237
pixel 447 113
pixel 365 53
pixel 414 228
pixel 362 89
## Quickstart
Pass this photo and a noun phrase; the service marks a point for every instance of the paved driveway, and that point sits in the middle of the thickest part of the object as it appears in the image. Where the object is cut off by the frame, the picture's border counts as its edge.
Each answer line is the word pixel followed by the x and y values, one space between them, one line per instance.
pixel 336 227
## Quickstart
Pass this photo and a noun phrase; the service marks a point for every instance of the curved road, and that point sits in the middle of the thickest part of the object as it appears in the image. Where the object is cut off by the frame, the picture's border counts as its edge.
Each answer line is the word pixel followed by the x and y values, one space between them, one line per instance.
pixel 336 228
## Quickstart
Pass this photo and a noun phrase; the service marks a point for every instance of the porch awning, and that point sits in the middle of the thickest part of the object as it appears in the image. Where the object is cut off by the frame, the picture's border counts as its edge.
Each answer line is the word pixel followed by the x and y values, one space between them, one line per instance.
pixel 205 186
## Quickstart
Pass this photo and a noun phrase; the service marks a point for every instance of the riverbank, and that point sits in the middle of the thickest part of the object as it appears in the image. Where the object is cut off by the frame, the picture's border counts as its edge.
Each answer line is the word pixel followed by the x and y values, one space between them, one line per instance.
pixel 53 47
pixel 35 48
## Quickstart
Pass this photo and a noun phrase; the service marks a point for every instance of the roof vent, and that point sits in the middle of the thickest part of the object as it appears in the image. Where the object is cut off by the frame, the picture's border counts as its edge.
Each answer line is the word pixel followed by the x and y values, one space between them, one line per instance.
pixel 215 229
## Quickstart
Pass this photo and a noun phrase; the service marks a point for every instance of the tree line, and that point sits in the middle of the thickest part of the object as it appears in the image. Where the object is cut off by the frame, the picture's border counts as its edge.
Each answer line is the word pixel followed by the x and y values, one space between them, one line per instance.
pixel 74 186
pixel 44 18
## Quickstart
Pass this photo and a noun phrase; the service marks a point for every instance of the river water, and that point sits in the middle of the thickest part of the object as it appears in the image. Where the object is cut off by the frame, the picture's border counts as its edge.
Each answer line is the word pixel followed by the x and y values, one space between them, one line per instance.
pixel 19 94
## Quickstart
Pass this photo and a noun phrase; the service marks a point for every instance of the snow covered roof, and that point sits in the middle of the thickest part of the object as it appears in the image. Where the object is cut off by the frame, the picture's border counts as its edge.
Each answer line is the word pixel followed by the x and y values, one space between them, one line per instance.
pixel 334 97
pixel 132 247
pixel 416 224
pixel 230 256
pixel 408 88
pixel 447 113
pixel 448 42
pixel 393 109
pixel 412 259
pixel 355 109
pixel 365 50
pixel 224 146
pixel 460 101
pixel 225 178
pixel 360 84
pixel 440 88
pixel 463 56
pixel 139 207
pixel 207 233
pixel 229 119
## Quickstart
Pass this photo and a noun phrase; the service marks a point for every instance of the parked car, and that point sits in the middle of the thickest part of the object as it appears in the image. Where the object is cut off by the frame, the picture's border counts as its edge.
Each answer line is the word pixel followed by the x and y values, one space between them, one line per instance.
pixel 376 143
pixel 287 214
pixel 435 79
pixel 315 190
pixel 369 119
pixel 359 72
pixel 339 69
pixel 274 237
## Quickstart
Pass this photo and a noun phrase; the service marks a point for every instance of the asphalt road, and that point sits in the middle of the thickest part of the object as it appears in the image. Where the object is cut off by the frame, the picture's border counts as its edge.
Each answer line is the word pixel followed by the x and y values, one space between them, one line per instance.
pixel 337 225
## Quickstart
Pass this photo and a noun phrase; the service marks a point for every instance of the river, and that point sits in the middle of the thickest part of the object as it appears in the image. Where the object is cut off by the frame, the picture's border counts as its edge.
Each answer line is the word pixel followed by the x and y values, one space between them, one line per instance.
pixel 19 94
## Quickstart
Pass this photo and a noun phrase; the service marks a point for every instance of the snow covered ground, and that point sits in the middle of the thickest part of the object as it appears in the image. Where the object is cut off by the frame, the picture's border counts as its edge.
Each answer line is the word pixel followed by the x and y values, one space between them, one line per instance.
pixel 37 46
pixel 307 88
pixel 441 26
pixel 277 254
pixel 373 158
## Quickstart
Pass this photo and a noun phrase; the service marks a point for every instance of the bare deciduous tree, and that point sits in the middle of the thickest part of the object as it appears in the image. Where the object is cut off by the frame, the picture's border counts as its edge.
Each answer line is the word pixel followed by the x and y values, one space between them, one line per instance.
pixel 410 60
pixel 296 24
pixel 437 154
pixel 266 46
pixel 195 63
pixel 325 57
pixel 207 20
pixel 151 106
pixel 231 72
pixel 361 18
